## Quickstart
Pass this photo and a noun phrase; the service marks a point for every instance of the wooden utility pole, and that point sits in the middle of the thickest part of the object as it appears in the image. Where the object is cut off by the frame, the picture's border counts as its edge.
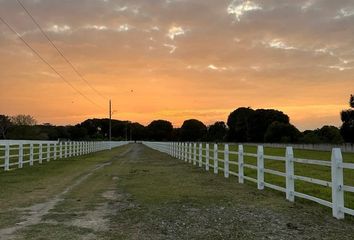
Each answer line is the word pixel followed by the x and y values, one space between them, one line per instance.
pixel 110 123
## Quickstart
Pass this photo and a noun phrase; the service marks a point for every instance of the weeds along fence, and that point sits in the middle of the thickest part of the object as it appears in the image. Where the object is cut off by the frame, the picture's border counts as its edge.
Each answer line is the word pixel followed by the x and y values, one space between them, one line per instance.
pixel 20 152
pixel 296 177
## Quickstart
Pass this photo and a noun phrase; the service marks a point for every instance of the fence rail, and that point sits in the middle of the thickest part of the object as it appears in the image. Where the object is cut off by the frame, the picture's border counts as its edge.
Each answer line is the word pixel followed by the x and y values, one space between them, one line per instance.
pixel 19 152
pixel 202 155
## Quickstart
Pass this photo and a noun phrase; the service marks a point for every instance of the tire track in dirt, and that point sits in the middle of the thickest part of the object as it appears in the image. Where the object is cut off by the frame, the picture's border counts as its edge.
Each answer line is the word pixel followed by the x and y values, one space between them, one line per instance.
pixel 33 215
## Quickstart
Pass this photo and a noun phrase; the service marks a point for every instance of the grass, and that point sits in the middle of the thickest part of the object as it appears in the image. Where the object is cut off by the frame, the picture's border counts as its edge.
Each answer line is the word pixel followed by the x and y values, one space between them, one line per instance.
pixel 307 170
pixel 157 197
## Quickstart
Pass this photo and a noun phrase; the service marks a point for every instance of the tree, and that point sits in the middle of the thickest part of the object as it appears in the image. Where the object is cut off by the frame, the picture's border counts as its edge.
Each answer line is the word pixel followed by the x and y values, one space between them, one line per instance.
pixel 160 130
pixel 238 123
pixel 138 132
pixel 326 134
pixel 260 120
pixel 347 129
pixel 23 120
pixel 5 124
pixel 217 132
pixel 279 132
pixel 193 130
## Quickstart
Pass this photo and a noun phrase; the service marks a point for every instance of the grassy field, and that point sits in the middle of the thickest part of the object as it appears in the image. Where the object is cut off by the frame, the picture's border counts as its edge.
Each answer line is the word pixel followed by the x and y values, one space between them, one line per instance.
pixel 136 193
pixel 307 170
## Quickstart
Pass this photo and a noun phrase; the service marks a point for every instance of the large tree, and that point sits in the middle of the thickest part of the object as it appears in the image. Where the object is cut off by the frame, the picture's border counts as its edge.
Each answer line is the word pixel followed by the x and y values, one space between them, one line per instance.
pixel 279 132
pixel 160 130
pixel 260 120
pixel 217 132
pixel 193 130
pixel 5 124
pixel 347 116
pixel 238 123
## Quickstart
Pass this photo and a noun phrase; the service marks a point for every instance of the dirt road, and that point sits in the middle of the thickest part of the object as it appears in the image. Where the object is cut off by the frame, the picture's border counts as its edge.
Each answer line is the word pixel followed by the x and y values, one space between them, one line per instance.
pixel 136 193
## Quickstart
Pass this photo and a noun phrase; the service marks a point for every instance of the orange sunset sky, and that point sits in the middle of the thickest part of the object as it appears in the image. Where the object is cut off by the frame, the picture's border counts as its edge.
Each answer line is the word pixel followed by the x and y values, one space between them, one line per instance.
pixel 179 59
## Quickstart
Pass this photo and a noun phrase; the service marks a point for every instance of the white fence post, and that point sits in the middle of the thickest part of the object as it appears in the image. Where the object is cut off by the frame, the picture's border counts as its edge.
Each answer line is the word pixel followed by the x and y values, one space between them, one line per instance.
pixel 65 149
pixel 260 167
pixel 185 152
pixel 240 164
pixel 200 155
pixel 190 153
pixel 55 151
pixel 60 150
pixel 40 153
pixel 216 161
pixel 195 154
pixel 7 158
pixel 226 161
pixel 337 184
pixel 207 154
pixel 31 154
pixel 20 156
pixel 48 152
pixel 289 168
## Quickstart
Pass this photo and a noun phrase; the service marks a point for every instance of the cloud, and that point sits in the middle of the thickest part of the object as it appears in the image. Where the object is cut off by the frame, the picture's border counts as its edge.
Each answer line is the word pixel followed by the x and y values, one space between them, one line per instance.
pixel 239 7
pixel 171 47
pixel 175 31
pixel 59 29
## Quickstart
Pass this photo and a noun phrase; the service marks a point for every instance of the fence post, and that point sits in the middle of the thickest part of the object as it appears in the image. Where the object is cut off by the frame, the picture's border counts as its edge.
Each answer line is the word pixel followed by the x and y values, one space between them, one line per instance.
pixel 226 161
pixel 40 153
pixel 195 154
pixel 31 154
pixel 289 167
pixel 216 161
pixel 55 151
pixel 240 164
pixel 260 167
pixel 48 152
pixel 20 156
pixel 200 155
pixel 186 152
pixel 190 153
pixel 65 149
pixel 337 184
pixel 207 154
pixel 7 158
pixel 60 150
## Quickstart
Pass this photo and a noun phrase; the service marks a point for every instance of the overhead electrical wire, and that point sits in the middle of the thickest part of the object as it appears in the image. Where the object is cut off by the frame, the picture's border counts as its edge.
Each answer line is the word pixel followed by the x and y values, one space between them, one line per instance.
pixel 59 51
pixel 46 62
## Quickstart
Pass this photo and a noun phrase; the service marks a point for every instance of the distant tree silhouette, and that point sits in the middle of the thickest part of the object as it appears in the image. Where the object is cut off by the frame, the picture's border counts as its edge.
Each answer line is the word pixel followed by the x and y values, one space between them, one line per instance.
pixel 5 124
pixel 260 120
pixel 193 130
pixel 160 130
pixel 23 120
pixel 238 123
pixel 248 125
pixel 279 132
pixel 217 132
pixel 347 116
pixel 326 134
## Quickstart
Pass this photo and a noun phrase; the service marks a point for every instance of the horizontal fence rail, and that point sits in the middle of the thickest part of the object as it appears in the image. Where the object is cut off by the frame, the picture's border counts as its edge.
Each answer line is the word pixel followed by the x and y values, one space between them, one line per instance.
pixel 17 153
pixel 211 157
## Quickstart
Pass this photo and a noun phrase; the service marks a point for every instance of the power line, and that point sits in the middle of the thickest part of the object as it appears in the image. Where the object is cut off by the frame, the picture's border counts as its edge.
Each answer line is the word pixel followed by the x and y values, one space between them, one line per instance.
pixel 60 52
pixel 46 62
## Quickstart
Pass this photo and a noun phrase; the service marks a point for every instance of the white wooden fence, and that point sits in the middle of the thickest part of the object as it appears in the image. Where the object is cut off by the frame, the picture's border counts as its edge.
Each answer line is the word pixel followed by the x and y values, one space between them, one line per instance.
pixel 19 152
pixel 199 154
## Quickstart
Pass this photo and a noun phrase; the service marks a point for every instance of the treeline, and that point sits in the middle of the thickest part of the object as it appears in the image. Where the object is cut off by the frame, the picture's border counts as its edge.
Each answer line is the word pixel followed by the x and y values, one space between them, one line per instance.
pixel 243 125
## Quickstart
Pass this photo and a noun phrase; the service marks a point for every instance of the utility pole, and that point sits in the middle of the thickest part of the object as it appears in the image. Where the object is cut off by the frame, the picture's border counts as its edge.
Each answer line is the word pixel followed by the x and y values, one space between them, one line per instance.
pixel 110 124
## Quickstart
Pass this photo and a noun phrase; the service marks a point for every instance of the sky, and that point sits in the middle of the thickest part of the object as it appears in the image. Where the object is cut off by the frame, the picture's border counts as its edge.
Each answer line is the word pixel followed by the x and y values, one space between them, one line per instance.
pixel 179 59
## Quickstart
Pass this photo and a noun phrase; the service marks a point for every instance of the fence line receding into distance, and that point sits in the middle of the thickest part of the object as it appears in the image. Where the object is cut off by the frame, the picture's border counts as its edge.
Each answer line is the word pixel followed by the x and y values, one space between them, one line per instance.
pixel 17 153
pixel 202 155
